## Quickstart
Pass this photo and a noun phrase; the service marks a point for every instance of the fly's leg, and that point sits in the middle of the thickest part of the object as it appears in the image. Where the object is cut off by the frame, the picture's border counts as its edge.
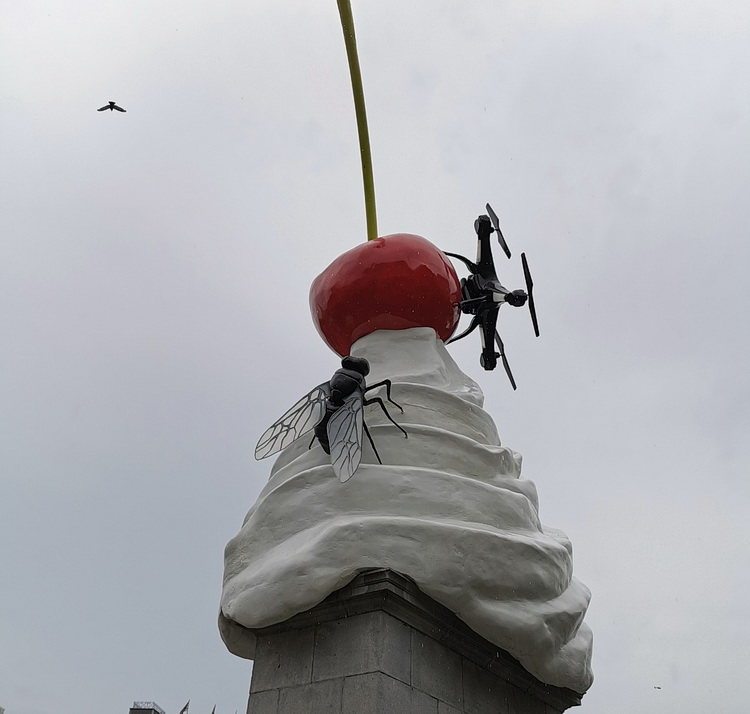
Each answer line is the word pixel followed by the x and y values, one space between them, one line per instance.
pixel 387 383
pixel 372 443
pixel 379 401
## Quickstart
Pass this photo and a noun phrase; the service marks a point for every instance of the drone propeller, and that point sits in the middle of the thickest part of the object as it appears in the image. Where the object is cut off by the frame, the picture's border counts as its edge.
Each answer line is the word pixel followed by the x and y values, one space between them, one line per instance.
pixel 496 225
pixel 529 288
pixel 501 349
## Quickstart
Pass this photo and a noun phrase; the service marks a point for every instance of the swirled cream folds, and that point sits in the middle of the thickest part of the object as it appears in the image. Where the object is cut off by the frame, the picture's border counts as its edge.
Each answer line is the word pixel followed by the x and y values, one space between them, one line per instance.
pixel 447 508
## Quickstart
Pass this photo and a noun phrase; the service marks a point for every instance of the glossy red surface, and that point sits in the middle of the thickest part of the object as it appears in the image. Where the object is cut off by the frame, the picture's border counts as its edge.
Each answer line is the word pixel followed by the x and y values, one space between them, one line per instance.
pixel 391 283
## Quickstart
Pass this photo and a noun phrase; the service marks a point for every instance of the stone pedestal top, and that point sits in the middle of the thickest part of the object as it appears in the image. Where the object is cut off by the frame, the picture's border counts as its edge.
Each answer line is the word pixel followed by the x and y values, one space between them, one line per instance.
pixel 379 644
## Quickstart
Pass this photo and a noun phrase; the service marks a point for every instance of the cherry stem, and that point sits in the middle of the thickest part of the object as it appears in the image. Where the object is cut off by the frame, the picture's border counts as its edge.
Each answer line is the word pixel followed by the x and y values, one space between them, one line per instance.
pixel 347 24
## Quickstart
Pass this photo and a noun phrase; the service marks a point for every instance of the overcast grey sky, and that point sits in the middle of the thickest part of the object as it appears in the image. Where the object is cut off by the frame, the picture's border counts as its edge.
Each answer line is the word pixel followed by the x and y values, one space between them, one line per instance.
pixel 154 270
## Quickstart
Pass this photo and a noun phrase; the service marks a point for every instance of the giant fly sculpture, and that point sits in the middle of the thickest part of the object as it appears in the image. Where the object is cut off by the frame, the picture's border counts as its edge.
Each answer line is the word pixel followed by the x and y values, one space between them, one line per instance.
pixel 483 293
pixel 334 411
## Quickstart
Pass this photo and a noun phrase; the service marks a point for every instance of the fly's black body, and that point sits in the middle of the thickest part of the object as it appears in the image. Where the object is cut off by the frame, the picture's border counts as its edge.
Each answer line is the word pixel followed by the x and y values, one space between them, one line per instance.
pixel 334 411
pixel 343 384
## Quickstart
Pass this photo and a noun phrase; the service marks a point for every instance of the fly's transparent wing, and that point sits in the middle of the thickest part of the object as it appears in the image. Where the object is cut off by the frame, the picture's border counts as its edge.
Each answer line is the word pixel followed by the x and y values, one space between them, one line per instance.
pixel 302 417
pixel 345 436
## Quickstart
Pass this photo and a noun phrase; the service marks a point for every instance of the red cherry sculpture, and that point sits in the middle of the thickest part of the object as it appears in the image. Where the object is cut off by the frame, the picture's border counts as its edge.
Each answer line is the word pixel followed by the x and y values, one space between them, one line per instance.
pixel 390 283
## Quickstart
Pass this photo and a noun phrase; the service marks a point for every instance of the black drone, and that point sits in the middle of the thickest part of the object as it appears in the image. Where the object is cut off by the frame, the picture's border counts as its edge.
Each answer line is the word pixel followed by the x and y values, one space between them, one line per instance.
pixel 111 106
pixel 334 411
pixel 483 294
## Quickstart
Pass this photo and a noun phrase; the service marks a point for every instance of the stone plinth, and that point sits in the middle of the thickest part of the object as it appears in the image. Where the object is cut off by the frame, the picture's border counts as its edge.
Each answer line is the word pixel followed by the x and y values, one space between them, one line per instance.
pixel 380 645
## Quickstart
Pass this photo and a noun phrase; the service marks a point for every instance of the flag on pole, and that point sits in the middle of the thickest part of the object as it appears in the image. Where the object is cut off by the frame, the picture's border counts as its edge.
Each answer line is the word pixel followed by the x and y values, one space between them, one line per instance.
pixel 184 709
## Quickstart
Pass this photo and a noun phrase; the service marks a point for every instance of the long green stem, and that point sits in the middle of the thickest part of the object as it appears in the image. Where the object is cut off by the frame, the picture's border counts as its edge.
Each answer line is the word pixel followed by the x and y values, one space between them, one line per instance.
pixel 347 23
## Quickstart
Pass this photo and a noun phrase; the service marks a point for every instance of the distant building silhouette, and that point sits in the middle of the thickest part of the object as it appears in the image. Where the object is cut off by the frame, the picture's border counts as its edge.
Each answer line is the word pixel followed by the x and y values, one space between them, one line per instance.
pixel 144 708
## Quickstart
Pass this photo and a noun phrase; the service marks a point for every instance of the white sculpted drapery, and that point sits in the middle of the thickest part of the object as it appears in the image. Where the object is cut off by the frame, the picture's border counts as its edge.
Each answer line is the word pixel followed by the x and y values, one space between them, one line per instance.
pixel 447 508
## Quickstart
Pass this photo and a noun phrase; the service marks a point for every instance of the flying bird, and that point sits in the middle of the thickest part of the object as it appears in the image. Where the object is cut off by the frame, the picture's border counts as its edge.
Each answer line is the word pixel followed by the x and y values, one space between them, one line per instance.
pixel 111 106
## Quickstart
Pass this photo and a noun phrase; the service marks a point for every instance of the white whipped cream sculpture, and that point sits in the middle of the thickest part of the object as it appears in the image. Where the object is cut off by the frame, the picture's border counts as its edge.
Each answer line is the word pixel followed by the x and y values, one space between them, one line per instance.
pixel 447 508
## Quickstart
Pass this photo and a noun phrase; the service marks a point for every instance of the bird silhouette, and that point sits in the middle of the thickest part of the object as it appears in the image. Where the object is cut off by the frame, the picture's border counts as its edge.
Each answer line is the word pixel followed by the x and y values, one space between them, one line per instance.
pixel 111 106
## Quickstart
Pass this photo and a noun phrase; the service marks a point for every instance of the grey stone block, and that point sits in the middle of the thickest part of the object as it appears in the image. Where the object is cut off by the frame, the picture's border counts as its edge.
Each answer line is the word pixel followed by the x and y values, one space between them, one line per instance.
pixel 319 697
pixel 444 708
pixel 382 646
pixel 263 702
pixel 371 642
pixel 436 670
pixel 484 693
pixel 283 659
pixel 377 693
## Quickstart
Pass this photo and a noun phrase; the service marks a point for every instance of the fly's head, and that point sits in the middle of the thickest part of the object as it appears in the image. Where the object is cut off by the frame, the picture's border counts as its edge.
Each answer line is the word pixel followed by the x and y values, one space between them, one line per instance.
pixel 356 364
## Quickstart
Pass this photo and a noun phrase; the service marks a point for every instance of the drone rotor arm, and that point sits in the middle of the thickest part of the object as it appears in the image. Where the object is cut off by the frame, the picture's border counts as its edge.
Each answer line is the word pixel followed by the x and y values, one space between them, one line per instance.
pixel 488 357
pixel 472 301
